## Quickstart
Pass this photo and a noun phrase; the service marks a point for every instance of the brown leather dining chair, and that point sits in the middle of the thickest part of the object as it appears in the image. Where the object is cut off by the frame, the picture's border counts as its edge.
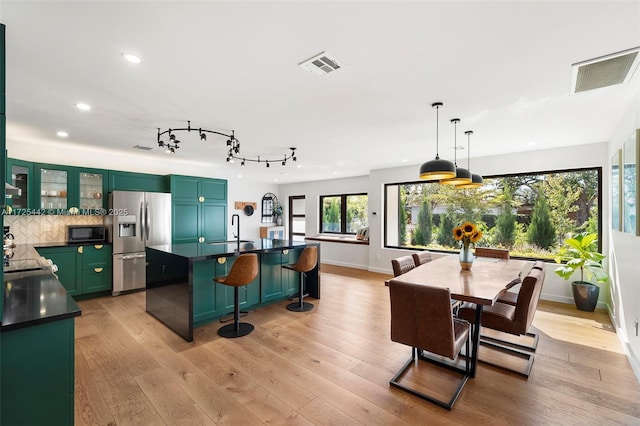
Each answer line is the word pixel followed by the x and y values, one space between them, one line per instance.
pixel 496 253
pixel 402 265
pixel 511 298
pixel 421 317
pixel 421 257
pixel 511 319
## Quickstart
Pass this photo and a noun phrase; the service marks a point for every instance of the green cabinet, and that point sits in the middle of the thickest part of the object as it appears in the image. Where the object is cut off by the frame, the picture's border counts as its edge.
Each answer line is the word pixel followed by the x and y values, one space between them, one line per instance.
pixel 66 259
pixel 59 188
pixel 199 209
pixel 212 300
pixel 82 269
pixel 20 174
pixel 278 282
pixel 129 181
pixel 38 374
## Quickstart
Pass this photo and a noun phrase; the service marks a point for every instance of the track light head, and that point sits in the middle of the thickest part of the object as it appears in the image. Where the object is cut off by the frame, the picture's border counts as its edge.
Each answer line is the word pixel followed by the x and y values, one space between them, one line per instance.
pixel 203 137
pixel 267 164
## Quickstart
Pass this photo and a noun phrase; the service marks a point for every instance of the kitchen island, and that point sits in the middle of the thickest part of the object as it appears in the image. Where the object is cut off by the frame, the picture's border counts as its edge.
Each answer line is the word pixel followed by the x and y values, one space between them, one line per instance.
pixel 180 288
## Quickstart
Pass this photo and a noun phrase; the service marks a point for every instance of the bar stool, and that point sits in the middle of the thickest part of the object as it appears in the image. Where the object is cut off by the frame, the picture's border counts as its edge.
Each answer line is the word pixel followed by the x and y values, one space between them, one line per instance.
pixel 307 261
pixel 243 271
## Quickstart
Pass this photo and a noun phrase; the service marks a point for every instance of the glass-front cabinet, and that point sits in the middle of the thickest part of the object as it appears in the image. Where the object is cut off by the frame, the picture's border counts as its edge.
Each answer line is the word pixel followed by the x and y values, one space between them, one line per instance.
pixel 92 192
pixel 20 175
pixel 53 189
pixel 61 188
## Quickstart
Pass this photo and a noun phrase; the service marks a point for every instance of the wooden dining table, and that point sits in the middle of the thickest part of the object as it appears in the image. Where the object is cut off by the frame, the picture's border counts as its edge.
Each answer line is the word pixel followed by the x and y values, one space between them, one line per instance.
pixel 482 285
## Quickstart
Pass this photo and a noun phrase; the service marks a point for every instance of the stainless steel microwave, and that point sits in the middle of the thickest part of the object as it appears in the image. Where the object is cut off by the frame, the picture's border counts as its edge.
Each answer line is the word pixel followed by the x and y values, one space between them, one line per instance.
pixel 86 233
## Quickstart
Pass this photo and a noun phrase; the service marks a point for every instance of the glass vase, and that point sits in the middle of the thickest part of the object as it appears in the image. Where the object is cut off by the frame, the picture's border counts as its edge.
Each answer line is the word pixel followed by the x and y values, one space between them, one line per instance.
pixel 466 258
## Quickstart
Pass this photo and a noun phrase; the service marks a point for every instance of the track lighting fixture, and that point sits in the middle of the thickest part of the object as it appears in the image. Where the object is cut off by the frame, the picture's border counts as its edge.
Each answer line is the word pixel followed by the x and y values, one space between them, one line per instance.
pixel 232 143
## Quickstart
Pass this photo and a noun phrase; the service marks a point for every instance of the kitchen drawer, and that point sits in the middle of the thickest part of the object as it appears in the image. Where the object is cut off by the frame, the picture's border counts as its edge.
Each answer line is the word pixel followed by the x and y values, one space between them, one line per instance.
pixel 95 254
pixel 97 278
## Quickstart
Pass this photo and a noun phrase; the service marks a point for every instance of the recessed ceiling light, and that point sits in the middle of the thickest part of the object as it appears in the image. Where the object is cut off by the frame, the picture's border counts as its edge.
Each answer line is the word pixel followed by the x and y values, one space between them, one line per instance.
pixel 239 176
pixel 275 180
pixel 132 58
pixel 82 106
pixel 62 134
pixel 404 160
pixel 532 143
pixel 299 166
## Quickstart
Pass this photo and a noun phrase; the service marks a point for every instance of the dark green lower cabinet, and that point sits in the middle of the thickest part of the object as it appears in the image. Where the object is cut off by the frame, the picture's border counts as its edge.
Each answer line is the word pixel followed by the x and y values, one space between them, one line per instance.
pixel 82 270
pixel 278 282
pixel 212 300
pixel 38 375
pixel 68 263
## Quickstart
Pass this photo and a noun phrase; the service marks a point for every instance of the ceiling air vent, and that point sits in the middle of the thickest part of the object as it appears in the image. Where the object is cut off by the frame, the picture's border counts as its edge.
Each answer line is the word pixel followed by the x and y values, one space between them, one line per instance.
pixel 143 148
pixel 320 64
pixel 604 71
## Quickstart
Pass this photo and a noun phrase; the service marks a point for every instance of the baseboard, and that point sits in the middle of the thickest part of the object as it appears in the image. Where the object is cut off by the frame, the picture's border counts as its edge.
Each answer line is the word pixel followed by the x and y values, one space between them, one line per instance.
pixel 345 264
pixel 569 300
pixel 633 359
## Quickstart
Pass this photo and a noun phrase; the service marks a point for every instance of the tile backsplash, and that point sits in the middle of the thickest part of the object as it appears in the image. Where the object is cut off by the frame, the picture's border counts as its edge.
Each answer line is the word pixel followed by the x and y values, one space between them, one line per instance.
pixel 46 229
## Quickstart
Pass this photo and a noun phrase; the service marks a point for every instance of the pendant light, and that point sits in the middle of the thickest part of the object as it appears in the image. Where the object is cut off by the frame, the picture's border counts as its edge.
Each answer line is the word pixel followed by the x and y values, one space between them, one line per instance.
pixel 462 175
pixel 437 169
pixel 476 180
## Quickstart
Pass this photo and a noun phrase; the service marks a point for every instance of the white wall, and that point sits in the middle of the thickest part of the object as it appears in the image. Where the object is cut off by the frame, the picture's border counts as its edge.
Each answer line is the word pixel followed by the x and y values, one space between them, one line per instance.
pixel 352 255
pixel 624 256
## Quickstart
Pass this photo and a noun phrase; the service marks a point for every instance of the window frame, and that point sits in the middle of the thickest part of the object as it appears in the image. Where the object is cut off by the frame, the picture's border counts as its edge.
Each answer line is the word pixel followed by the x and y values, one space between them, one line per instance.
pixel 343 212
pixel 597 169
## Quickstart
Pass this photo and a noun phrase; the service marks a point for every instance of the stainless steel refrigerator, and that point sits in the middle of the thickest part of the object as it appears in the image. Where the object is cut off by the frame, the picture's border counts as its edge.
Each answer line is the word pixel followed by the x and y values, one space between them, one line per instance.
pixel 137 220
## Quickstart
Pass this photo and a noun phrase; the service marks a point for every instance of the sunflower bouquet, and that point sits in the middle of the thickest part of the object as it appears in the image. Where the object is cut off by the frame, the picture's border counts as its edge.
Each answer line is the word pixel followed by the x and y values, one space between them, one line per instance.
pixel 468 233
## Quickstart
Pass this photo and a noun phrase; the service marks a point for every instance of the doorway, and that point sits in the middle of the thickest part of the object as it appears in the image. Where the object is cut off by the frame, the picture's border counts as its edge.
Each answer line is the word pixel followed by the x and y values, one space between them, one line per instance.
pixel 297 219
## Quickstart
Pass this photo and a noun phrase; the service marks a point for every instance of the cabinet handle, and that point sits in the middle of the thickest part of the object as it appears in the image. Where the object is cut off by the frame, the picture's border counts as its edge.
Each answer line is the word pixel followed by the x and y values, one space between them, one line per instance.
pixel 98 246
pixel 98 270
pixel 201 199
pixel 80 250
pixel 201 240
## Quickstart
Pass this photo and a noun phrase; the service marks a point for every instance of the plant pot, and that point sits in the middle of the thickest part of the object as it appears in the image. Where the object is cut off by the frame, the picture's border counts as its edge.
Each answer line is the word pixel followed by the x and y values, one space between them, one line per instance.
pixel 585 295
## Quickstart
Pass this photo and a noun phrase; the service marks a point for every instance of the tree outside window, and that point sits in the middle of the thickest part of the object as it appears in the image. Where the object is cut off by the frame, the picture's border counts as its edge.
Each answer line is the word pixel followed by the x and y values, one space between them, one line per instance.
pixel 528 214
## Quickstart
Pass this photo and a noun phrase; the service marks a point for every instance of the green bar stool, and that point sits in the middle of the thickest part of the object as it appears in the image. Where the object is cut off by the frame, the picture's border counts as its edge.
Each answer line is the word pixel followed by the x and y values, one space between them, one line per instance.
pixel 307 261
pixel 243 271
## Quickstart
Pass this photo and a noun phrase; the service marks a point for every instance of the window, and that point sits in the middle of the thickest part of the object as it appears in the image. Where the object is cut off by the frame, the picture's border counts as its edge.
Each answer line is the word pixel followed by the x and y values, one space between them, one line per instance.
pixel 343 214
pixel 529 214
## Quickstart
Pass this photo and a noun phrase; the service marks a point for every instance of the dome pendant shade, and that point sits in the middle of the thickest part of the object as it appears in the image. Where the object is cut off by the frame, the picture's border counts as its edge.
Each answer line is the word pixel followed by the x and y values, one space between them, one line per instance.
pixel 437 170
pixel 462 177
pixel 476 182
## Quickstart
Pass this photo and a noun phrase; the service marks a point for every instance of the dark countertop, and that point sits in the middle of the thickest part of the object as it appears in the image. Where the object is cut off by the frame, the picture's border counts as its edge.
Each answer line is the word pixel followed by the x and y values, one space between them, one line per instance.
pixel 32 298
pixel 204 251
pixel 36 296
pixel 67 244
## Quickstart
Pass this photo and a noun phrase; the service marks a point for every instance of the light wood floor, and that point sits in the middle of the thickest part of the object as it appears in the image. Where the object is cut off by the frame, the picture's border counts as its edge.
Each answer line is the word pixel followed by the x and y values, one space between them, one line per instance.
pixel 332 366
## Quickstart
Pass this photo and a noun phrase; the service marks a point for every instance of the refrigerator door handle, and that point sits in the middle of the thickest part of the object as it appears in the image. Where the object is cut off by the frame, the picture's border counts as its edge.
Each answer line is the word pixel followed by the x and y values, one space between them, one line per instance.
pixel 141 221
pixel 146 221
pixel 133 256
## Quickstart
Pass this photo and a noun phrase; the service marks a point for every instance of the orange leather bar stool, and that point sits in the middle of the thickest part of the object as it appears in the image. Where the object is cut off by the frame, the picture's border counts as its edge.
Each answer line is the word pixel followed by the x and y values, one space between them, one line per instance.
pixel 243 271
pixel 307 261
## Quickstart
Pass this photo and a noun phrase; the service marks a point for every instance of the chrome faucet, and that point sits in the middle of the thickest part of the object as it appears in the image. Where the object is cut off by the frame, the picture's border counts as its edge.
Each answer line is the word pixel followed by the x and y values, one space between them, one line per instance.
pixel 233 219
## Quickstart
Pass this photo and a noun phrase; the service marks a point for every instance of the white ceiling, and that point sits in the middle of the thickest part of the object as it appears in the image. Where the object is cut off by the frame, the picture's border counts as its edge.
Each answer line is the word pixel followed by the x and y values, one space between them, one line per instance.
pixel 503 68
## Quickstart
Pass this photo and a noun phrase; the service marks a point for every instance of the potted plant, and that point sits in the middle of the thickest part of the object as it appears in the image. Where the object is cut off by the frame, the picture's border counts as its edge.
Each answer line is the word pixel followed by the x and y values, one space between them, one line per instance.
pixel 277 212
pixel 580 253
